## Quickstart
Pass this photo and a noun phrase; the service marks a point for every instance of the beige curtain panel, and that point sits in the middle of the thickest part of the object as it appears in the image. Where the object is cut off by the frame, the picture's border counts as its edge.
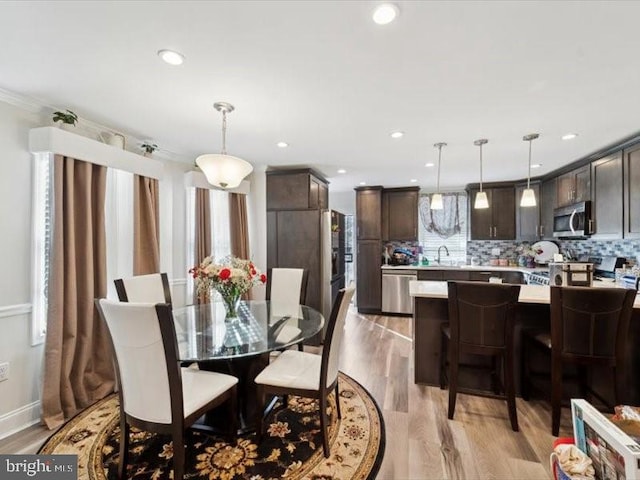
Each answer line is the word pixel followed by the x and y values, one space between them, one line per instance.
pixel 239 226
pixel 146 226
pixel 202 233
pixel 78 363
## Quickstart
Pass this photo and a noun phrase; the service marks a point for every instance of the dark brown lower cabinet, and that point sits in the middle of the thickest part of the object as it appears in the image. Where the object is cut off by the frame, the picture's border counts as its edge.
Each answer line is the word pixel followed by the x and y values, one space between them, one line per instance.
pixel 369 281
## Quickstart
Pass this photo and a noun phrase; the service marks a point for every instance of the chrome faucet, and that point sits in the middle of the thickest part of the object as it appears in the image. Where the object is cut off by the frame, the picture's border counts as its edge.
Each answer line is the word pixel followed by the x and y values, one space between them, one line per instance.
pixel 445 249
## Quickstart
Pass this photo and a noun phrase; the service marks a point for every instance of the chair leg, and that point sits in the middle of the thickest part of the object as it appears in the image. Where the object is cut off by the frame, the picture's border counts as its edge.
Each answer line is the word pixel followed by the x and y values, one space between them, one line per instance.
pixel 178 455
pixel 453 382
pixel 525 370
pixel 300 347
pixel 324 424
pixel 338 402
pixel 260 393
pixel 443 359
pixel 556 395
pixel 495 374
pixel 124 446
pixel 510 390
pixel 233 413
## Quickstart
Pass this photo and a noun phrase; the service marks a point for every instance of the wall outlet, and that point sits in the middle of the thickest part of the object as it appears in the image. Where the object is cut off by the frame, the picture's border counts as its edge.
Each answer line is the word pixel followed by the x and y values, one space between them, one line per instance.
pixel 4 371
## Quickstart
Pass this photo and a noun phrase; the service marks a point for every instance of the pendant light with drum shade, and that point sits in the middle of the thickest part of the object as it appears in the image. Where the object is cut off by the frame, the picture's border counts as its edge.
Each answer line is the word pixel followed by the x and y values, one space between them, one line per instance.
pixel 436 198
pixel 528 195
pixel 222 170
pixel 481 197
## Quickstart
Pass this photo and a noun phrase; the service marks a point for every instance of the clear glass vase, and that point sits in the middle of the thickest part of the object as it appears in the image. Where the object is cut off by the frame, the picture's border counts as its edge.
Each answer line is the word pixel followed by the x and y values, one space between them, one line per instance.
pixel 231 304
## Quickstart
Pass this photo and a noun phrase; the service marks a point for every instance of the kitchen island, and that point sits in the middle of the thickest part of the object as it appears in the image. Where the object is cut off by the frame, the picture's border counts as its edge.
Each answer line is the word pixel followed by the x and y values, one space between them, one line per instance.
pixel 431 309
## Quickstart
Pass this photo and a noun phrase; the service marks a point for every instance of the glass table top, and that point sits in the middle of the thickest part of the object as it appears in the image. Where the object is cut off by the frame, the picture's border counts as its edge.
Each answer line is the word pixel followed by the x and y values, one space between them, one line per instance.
pixel 204 334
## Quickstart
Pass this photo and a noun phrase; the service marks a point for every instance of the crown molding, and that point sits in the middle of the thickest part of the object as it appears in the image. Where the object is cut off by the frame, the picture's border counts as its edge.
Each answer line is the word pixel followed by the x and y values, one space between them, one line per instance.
pixel 25 102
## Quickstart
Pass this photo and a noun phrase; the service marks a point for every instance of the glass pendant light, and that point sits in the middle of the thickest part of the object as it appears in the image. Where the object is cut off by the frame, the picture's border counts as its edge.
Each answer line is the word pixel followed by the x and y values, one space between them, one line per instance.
pixel 481 197
pixel 436 198
pixel 222 170
pixel 528 195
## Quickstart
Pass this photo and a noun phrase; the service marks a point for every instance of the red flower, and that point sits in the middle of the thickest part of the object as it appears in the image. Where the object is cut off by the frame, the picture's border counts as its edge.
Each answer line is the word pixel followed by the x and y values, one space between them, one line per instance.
pixel 253 271
pixel 263 278
pixel 224 274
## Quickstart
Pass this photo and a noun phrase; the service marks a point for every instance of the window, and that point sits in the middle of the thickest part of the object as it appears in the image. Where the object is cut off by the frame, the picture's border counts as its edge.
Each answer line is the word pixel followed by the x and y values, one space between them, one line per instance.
pixel 41 243
pixel 119 227
pixel 446 227
pixel 220 228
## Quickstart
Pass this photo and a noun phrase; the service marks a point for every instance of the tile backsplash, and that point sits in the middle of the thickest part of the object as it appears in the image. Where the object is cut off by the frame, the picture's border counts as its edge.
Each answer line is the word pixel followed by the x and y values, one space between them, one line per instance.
pixel 620 248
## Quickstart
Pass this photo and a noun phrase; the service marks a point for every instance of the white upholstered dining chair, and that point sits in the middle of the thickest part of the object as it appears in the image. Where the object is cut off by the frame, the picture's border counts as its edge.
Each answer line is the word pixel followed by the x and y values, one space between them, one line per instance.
pixel 156 394
pixel 286 291
pixel 151 288
pixel 307 374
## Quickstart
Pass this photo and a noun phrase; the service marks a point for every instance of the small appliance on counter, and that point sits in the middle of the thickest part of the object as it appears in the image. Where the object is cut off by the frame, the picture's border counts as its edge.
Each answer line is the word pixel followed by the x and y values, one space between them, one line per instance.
pixel 571 274
pixel 605 266
pixel 402 256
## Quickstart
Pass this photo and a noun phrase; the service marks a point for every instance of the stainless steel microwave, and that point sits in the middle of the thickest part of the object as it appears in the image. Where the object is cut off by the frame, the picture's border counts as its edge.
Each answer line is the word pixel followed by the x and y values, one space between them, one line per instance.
pixel 572 221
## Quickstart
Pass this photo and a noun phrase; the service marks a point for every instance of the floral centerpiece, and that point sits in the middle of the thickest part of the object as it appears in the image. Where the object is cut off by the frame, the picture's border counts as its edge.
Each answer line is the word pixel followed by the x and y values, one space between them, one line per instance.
pixel 230 277
pixel 527 255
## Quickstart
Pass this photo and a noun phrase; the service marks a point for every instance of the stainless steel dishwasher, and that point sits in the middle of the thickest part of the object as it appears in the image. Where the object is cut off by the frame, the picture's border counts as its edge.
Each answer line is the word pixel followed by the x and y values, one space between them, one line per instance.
pixel 395 290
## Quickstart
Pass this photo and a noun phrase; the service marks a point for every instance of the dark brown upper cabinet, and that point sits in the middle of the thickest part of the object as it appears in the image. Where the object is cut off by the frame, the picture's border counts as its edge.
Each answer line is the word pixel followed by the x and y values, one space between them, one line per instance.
pixel 574 186
pixel 548 192
pixel 400 213
pixel 498 222
pixel 296 189
pixel 369 213
pixel 631 167
pixel 607 198
pixel 528 218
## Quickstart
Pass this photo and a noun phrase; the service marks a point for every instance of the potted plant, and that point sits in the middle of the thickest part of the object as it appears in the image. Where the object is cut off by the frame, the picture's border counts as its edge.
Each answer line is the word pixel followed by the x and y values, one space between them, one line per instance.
pixel 65 118
pixel 148 148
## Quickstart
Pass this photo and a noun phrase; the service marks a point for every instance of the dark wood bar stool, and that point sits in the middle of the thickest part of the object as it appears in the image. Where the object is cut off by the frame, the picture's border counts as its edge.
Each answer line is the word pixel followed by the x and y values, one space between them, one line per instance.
pixel 589 327
pixel 481 321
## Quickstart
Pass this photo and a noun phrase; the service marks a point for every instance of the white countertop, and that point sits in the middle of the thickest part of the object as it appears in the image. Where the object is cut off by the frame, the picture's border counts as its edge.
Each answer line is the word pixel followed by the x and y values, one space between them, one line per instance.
pixel 528 293
pixel 463 267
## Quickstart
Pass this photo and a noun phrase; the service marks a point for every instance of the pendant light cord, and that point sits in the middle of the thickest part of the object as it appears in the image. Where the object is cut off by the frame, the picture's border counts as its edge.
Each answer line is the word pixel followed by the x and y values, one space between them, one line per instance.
pixel 224 132
pixel 481 167
pixel 439 158
pixel 529 173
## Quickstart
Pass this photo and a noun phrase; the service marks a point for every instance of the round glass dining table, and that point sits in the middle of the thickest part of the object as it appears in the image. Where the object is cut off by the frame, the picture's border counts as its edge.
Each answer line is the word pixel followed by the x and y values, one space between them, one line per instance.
pixel 241 346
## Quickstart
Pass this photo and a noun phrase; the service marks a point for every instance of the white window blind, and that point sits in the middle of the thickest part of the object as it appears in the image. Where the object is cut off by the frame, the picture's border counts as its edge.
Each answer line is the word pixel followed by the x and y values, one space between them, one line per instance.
pixel 447 227
pixel 41 243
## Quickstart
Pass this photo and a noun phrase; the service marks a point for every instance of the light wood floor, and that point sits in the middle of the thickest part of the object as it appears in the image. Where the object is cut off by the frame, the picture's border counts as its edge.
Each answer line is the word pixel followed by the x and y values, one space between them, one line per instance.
pixel 421 442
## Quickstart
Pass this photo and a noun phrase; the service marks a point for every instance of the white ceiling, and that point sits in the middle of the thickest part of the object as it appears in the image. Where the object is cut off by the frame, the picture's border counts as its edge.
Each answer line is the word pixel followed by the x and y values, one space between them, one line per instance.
pixel 327 80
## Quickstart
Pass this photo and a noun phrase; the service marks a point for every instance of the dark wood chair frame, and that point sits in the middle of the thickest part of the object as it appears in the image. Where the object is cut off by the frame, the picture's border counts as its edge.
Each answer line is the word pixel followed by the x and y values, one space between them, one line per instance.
pixel 321 394
pixel 623 303
pixel 303 292
pixel 179 424
pixel 450 337
pixel 122 291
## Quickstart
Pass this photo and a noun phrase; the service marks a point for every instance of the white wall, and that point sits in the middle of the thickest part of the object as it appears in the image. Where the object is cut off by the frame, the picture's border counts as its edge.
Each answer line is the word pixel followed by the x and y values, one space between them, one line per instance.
pixel 343 202
pixel 19 395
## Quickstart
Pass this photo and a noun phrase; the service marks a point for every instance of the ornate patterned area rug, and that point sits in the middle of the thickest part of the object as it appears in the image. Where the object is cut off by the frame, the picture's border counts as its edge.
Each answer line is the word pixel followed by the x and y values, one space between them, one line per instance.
pixel 291 444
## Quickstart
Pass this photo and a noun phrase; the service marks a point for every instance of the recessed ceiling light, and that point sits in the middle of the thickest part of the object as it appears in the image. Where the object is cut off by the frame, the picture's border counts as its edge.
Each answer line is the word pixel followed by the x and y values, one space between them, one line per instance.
pixel 363 183
pixel 429 164
pixel 536 165
pixel 413 180
pixel 171 57
pixel 569 136
pixel 385 13
pixel 397 134
pixel 282 144
pixel 342 170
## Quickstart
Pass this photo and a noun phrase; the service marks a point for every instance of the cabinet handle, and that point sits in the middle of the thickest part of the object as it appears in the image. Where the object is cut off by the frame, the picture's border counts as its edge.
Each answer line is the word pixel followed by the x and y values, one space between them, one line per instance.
pixel 495 232
pixel 490 232
pixel 541 230
pixel 590 226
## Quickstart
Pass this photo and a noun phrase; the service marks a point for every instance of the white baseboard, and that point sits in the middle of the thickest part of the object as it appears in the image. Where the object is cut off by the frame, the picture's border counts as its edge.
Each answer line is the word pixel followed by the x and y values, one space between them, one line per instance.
pixel 19 419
